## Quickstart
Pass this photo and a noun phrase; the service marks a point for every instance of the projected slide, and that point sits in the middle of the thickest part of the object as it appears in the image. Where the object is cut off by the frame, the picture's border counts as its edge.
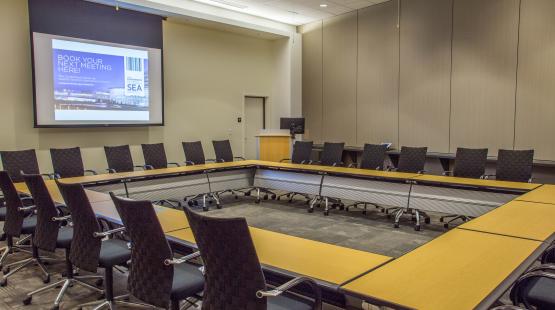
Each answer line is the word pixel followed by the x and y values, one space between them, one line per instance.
pixel 93 82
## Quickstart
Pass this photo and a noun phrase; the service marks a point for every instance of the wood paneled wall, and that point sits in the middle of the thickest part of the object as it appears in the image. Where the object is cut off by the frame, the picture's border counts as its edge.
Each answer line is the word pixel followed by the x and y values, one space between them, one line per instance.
pixel 455 73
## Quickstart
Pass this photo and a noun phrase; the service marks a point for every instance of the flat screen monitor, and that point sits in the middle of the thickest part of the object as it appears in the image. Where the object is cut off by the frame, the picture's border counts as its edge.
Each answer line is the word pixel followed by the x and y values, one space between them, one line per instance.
pixel 294 124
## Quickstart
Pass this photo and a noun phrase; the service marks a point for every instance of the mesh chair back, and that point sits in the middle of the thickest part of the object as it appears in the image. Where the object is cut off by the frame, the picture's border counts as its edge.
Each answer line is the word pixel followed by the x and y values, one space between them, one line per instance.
pixel 119 158
pixel 514 165
pixel 16 161
pixel 223 151
pixel 67 163
pixel 412 159
pixel 302 151
pixel 14 217
pixel 373 156
pixel 85 248
pixel 46 231
pixel 155 155
pixel 194 152
pixel 332 153
pixel 149 279
pixel 232 277
pixel 470 163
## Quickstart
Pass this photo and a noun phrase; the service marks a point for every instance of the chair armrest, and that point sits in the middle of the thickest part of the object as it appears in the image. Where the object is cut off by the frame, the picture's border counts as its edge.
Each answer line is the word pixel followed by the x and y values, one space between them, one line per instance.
pixel 110 170
pixel 292 283
pixel 353 165
pixel 304 162
pixel 516 290
pixel 285 159
pixel 61 218
pixel 189 163
pixel 211 160
pixel 28 208
pixel 177 261
pixel 448 173
pixel 339 164
pixel 239 157
pixel 175 164
pixel 108 232
pixel 391 168
pixel 544 267
pixel 91 171
pixel 26 198
pixel 144 167
pixel 507 307
pixel 57 176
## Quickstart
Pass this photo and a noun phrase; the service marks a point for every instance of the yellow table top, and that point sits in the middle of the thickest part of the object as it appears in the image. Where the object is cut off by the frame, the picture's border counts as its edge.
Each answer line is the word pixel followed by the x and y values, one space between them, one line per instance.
pixel 542 194
pixel 454 271
pixel 57 196
pixel 517 219
pixel 326 262
pixel 477 182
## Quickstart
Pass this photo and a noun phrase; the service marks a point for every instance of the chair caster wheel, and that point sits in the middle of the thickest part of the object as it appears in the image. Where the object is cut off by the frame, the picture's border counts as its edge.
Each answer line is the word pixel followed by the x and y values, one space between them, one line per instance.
pixel 396 225
pixel 55 308
pixel 417 227
pixel 326 213
pixel 236 197
pixel 3 237
pixel 99 282
pixel 446 226
pixel 46 280
pixel 27 300
pixel 247 193
pixel 3 282
pixel 273 197
pixel 210 202
pixel 204 209
pixel 441 219
pixel 190 203
pixel 364 212
pixel 290 201
pixel 278 198
pixel 265 197
pixel 195 203
pixel 218 206
pixel 257 200
pixel 310 210
pixel 427 220
pixel 307 202
pixel 6 270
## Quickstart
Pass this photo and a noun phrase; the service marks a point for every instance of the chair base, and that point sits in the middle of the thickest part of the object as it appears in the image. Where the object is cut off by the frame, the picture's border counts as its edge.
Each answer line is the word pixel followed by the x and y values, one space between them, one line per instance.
pixel 291 196
pixel 454 217
pixel 415 213
pixel 26 263
pixel 267 194
pixel 65 284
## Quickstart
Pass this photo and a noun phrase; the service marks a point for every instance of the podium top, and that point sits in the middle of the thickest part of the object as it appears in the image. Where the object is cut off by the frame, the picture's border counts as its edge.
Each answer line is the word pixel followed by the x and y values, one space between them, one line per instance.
pixel 273 134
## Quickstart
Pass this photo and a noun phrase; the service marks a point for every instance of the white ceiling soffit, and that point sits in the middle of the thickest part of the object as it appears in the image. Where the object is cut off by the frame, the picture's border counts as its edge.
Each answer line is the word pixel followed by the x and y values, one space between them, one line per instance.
pixel 194 12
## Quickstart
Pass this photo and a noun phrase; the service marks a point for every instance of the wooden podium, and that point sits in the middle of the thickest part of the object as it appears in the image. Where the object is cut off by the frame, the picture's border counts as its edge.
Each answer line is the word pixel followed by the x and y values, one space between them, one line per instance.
pixel 274 146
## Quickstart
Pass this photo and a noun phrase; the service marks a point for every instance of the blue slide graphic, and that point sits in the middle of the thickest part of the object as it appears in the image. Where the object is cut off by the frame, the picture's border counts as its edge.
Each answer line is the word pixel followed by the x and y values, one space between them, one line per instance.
pixel 96 78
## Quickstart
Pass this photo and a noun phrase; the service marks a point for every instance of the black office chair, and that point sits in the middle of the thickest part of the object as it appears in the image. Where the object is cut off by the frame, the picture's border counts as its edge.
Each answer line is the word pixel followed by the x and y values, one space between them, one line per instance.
pixel 51 235
pixel 223 151
pixel 119 159
pixel 16 161
pixel 373 157
pixel 234 279
pixel 19 221
pixel 155 276
pixel 332 154
pixel 194 153
pixel 469 163
pixel 90 247
pixel 514 166
pixel 68 163
pixel 411 160
pixel 302 152
pixel 155 156
pixel 534 289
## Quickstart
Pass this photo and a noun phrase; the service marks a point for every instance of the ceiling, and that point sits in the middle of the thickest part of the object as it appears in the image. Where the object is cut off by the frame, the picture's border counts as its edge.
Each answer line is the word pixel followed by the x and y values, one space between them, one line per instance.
pixel 294 12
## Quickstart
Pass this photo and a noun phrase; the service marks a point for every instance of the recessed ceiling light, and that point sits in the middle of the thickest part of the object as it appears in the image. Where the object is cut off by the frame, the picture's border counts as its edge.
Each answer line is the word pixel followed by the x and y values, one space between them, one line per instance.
pixel 323 5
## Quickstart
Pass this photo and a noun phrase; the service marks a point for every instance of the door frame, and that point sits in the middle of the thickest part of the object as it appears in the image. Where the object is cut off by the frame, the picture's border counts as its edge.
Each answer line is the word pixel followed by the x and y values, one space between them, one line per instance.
pixel 265 101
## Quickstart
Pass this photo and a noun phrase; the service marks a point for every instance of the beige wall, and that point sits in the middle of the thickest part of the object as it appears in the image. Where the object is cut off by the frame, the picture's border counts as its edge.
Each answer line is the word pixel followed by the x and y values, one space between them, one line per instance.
pixel 469 73
pixel 207 73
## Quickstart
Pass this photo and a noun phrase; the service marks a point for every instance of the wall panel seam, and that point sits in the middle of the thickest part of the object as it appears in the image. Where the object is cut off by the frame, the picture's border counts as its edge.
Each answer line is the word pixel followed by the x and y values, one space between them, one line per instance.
pixel 516 72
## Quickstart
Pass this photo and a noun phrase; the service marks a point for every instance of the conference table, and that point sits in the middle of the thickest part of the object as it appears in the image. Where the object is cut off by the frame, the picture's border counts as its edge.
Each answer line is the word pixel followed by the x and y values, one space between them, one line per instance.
pixel 466 267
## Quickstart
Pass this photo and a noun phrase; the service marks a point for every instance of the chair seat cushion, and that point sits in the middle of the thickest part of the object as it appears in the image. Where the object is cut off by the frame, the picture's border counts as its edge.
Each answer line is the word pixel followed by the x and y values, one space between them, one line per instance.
pixel 113 252
pixel 2 213
pixel 65 235
pixel 28 225
pixel 187 281
pixel 288 302
pixel 539 293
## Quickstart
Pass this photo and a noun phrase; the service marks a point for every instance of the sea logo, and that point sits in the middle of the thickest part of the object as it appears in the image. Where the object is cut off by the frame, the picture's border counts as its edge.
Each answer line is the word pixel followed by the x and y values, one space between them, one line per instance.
pixel 134 77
